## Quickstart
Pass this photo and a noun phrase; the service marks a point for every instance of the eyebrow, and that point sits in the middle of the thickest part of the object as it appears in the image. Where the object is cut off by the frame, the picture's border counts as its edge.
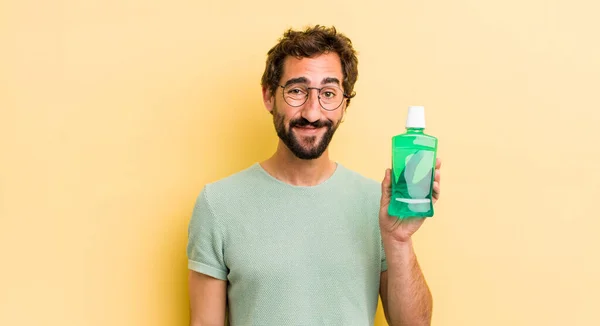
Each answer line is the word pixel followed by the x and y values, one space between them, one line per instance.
pixel 297 80
pixel 330 80
pixel 304 80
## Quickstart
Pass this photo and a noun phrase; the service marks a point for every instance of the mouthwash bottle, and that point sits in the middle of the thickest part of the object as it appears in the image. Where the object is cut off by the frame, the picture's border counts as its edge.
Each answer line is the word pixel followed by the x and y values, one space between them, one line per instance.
pixel 413 168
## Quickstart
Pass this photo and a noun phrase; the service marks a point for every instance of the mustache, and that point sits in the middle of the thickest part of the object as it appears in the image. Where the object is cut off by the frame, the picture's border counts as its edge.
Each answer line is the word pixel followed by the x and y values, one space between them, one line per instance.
pixel 302 122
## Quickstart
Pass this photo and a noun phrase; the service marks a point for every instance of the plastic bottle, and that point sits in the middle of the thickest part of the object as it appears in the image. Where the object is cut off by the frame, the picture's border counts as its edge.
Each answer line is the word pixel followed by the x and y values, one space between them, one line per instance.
pixel 413 168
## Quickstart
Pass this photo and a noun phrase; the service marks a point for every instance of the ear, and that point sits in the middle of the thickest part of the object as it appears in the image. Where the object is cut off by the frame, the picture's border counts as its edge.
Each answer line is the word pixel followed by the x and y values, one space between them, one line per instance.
pixel 268 99
pixel 343 114
pixel 343 109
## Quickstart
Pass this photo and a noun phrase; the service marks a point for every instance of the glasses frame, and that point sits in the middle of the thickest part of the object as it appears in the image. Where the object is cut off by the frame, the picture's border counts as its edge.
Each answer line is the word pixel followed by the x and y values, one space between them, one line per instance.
pixel 318 97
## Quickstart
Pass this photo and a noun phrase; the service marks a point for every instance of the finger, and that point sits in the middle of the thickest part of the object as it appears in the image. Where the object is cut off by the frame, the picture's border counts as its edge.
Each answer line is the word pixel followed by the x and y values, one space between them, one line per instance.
pixel 438 163
pixel 386 184
pixel 436 189
pixel 386 188
pixel 438 176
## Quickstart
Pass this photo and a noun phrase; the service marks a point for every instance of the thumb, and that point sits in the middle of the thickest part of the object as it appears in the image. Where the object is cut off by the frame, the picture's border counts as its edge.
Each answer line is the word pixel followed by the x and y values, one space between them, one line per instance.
pixel 386 188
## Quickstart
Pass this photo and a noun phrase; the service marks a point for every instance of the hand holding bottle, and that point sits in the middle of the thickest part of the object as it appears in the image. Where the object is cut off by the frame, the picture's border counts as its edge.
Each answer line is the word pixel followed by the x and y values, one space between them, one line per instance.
pixel 402 229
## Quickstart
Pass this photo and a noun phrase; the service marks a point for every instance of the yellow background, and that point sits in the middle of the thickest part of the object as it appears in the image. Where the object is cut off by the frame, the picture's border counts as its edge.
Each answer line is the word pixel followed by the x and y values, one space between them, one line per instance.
pixel 114 114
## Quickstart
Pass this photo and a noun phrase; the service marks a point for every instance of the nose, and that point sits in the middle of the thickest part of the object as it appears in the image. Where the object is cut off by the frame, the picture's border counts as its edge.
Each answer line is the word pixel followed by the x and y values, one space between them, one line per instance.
pixel 311 110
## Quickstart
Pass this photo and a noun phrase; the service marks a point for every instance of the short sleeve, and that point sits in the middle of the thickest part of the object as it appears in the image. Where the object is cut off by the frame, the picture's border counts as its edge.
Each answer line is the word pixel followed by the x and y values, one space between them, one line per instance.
pixel 205 250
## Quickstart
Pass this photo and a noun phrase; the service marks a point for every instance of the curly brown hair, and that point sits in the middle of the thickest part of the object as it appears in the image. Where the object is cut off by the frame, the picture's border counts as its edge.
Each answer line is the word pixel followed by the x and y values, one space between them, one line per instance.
pixel 312 41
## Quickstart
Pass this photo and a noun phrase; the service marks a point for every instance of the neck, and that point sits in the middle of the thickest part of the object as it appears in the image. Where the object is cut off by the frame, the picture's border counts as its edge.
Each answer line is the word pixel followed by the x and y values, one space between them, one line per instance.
pixel 285 166
pixel 414 130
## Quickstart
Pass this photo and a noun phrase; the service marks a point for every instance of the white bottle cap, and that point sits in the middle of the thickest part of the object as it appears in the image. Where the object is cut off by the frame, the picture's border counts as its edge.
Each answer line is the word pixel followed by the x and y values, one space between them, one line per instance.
pixel 416 117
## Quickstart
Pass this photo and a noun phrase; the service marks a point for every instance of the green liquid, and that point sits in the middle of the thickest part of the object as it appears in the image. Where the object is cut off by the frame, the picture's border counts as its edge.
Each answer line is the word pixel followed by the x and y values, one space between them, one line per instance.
pixel 413 171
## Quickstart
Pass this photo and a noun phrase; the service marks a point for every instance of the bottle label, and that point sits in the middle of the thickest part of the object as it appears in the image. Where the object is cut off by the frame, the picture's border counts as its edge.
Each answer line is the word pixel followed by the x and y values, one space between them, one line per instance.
pixel 412 178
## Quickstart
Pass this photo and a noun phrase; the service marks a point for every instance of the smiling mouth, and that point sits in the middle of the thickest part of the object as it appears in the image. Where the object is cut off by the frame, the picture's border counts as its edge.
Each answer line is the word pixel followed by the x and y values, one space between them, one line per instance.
pixel 308 129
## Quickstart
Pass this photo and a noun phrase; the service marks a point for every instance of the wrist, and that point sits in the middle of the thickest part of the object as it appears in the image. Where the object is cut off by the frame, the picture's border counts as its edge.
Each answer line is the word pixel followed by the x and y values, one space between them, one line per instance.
pixel 390 240
pixel 398 253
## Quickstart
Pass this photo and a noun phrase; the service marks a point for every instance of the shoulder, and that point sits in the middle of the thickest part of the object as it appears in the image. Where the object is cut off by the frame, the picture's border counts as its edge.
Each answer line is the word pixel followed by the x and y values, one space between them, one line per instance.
pixel 235 183
pixel 234 188
pixel 358 179
pixel 354 180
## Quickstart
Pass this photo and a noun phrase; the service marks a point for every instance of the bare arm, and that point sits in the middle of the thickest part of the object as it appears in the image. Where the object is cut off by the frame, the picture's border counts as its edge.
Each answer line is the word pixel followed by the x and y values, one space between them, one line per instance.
pixel 404 293
pixel 208 298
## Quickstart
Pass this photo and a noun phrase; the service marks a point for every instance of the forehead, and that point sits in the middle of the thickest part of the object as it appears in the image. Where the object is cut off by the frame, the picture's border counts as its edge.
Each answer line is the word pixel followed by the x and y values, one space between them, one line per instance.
pixel 314 68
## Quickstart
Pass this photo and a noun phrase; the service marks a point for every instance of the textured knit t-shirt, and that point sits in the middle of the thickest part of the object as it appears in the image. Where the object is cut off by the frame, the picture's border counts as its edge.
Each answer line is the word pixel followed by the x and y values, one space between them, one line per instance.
pixel 292 255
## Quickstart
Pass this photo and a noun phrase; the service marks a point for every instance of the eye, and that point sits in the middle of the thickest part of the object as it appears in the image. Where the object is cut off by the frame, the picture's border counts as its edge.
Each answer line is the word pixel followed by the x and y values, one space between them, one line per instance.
pixel 296 91
pixel 329 93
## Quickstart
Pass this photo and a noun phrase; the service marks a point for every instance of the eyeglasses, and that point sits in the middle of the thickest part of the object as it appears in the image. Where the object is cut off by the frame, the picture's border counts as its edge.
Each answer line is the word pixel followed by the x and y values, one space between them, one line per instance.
pixel 330 97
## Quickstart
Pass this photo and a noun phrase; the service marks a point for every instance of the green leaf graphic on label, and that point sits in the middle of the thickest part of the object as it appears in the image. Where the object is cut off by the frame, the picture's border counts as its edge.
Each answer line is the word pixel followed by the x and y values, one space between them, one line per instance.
pixel 399 164
pixel 424 165
pixel 418 174
pixel 407 159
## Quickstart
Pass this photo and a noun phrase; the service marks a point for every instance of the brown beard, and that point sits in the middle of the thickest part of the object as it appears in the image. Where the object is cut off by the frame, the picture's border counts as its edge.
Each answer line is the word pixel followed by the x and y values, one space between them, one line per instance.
pixel 317 147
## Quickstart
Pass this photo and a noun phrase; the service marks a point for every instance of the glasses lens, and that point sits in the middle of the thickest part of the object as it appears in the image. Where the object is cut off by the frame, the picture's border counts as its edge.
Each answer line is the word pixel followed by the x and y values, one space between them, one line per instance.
pixel 331 97
pixel 295 94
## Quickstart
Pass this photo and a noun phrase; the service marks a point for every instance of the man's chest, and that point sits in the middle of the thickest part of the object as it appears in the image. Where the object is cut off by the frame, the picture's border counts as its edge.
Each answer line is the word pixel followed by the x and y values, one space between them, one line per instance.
pixel 318 242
